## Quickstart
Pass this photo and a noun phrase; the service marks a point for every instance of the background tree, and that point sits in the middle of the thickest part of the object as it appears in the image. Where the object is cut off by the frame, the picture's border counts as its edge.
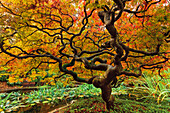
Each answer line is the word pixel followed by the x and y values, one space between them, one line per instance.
pixel 93 41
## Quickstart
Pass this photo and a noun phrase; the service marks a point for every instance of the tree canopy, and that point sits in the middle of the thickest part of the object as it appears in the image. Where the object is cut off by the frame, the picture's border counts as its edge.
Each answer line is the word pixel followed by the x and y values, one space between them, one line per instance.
pixel 92 41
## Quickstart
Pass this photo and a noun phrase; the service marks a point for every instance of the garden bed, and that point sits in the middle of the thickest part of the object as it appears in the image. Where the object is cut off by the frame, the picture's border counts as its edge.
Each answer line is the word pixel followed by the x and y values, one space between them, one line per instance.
pixel 83 98
pixel 96 105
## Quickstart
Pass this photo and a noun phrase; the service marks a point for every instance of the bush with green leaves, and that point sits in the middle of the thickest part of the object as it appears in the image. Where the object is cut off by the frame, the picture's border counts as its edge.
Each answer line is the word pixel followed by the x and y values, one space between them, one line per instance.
pixel 153 87
pixel 3 76
pixel 53 95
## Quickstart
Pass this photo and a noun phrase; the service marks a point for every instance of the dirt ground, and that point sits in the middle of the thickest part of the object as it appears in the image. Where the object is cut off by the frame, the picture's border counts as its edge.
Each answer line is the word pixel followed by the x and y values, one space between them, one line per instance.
pixel 4 86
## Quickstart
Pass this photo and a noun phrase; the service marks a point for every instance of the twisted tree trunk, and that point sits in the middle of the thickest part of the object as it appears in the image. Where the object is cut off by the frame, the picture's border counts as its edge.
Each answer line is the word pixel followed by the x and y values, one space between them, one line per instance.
pixel 104 83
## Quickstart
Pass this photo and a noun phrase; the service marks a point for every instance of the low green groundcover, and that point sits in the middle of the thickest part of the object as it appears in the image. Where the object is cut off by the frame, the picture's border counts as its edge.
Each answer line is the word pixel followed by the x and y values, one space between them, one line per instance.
pixel 96 105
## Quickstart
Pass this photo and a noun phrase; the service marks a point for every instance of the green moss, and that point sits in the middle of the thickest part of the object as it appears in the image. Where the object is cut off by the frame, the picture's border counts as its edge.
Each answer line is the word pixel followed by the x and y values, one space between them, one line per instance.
pixel 96 104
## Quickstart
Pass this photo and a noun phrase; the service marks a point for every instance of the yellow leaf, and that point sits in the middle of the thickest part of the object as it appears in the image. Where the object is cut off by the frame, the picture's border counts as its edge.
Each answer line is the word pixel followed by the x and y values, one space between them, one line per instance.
pixel 81 96
pixel 12 79
pixel 1 109
pixel 49 99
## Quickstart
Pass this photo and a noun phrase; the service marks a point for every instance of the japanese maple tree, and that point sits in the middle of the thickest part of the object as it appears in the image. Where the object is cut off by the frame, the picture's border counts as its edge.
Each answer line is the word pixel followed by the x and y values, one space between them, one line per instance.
pixel 93 41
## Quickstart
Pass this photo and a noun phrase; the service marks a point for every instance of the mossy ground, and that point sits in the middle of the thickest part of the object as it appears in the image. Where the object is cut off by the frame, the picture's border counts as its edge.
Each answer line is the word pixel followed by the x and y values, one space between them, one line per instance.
pixel 96 105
